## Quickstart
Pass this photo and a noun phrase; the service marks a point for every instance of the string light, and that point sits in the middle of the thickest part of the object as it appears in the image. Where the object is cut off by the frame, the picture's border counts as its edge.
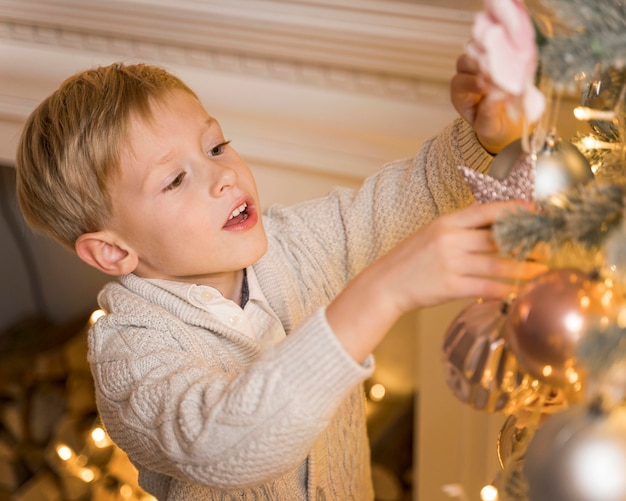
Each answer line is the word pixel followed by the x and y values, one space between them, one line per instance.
pixel 126 491
pixel 95 316
pixel 591 143
pixel 585 113
pixel 64 452
pixel 87 475
pixel 100 438
pixel 377 392
pixel 489 493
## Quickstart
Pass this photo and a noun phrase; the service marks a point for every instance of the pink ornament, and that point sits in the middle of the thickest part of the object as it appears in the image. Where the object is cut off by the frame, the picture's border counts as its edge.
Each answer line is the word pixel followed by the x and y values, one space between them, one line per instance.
pixel 479 368
pixel 503 44
pixel 548 320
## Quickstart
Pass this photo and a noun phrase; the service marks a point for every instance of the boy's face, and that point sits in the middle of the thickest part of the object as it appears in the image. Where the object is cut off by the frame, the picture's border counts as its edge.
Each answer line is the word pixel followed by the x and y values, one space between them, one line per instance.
pixel 184 201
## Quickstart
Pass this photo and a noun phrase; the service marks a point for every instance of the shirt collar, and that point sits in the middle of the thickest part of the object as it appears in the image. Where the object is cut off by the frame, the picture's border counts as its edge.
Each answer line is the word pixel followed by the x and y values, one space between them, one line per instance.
pixel 182 289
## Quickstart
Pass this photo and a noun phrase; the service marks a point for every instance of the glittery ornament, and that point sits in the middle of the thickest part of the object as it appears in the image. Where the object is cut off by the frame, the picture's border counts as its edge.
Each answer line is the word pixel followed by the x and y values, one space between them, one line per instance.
pixel 578 455
pixel 603 94
pixel 516 184
pixel 548 320
pixel 556 167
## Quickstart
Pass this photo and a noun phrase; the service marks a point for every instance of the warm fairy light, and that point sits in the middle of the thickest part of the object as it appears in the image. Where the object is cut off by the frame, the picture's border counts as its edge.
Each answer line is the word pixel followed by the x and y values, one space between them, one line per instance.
pixel 377 392
pixel 585 113
pixel 455 491
pixel 607 298
pixel 64 452
pixel 126 491
pixel 489 493
pixel 547 370
pixel 95 316
pixel 100 438
pixel 572 375
pixel 585 302
pixel 592 143
pixel 86 475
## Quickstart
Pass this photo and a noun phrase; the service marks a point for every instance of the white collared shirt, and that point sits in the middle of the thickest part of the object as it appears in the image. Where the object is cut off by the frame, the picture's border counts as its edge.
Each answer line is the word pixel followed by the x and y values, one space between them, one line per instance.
pixel 256 320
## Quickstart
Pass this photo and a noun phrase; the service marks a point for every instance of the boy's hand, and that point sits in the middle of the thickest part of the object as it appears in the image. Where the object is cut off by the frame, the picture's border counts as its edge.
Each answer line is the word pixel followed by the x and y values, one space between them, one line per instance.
pixel 484 108
pixel 453 257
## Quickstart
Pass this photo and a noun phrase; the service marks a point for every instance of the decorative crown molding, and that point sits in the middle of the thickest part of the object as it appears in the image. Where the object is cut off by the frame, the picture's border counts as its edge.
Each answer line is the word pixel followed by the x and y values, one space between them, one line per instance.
pixel 400 53
pixel 354 43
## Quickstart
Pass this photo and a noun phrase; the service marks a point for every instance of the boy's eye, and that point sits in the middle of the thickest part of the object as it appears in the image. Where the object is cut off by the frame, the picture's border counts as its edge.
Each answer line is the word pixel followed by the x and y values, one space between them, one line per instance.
pixel 178 180
pixel 218 150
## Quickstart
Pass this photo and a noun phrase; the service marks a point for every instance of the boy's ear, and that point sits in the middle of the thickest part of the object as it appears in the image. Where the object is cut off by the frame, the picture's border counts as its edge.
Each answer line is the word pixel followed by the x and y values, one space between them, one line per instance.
pixel 102 251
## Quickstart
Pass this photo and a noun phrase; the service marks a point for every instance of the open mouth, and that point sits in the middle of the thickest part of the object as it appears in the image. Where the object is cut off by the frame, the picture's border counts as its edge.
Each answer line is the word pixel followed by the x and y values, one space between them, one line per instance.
pixel 239 215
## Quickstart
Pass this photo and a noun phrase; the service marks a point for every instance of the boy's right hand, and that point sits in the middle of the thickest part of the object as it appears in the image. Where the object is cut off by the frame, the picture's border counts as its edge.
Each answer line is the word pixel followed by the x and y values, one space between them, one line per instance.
pixel 453 257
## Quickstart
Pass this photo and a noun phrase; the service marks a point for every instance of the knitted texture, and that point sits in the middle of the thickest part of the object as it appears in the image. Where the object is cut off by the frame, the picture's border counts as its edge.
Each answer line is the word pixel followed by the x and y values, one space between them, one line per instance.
pixel 204 412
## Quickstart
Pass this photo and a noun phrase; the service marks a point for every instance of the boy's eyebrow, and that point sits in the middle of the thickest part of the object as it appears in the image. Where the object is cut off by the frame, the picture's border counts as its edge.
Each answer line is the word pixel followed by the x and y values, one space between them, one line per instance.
pixel 209 122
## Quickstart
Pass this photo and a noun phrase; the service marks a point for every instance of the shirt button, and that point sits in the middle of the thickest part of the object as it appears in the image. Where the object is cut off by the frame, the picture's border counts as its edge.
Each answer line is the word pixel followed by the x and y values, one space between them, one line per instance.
pixel 207 295
pixel 234 320
pixel 320 495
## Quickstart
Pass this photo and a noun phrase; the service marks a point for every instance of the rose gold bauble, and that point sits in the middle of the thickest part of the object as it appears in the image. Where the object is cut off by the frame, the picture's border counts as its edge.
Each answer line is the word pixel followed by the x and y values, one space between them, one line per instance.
pixel 548 320
pixel 477 366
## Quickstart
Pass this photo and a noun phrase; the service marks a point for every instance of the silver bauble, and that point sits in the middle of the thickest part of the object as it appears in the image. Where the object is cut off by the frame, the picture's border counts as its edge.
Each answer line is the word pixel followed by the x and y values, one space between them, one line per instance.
pixel 559 167
pixel 578 454
pixel 602 93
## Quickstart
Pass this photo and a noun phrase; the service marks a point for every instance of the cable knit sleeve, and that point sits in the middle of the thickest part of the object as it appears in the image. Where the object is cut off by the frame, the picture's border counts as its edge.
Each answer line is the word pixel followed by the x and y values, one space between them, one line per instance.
pixel 332 238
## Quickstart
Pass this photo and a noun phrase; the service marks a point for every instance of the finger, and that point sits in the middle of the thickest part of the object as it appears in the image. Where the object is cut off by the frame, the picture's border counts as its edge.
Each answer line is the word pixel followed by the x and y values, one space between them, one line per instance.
pixel 508 269
pixel 496 267
pixel 476 241
pixel 497 285
pixel 471 88
pixel 466 64
pixel 484 215
pixel 485 288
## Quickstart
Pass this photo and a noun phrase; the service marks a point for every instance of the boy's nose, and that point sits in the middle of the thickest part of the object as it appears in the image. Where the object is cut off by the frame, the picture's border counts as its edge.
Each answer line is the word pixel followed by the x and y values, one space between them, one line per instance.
pixel 223 178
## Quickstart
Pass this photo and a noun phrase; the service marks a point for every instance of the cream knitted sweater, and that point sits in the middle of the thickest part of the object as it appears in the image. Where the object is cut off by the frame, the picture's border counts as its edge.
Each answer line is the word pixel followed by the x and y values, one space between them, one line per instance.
pixel 206 414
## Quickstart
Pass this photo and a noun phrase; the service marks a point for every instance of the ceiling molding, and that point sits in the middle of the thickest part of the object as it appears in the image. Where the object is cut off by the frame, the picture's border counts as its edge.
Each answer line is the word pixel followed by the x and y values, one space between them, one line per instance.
pixel 371 75
pixel 383 39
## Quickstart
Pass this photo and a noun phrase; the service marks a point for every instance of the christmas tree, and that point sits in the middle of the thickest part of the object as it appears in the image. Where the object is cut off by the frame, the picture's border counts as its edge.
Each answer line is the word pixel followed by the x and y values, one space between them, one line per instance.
pixel 552 358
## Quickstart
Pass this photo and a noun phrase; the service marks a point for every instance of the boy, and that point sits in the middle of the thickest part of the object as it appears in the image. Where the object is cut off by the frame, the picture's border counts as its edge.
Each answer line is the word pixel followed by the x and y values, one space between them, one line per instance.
pixel 230 362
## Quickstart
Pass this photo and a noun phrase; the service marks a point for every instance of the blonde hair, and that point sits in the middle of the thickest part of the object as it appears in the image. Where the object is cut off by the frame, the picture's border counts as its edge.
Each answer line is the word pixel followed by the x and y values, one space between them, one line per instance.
pixel 70 146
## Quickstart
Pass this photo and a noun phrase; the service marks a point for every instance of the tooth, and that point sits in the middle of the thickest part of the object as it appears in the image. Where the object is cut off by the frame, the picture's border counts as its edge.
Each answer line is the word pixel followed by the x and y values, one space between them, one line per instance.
pixel 238 210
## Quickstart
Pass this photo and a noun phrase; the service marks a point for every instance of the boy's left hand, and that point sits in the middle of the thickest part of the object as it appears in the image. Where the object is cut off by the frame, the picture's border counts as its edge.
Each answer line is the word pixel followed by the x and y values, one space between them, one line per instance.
pixel 482 107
